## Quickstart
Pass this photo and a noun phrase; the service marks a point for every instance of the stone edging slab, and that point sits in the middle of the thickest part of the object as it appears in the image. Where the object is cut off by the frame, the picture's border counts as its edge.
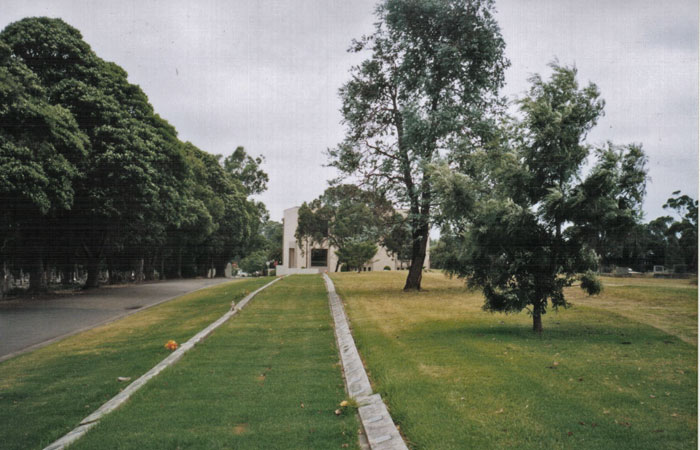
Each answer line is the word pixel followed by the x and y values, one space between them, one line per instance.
pixel 379 427
pixel 116 401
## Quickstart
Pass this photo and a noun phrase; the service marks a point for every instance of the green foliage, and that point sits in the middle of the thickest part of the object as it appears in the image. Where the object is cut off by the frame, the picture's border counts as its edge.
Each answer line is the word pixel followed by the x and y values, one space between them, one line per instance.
pixel 272 234
pixel 92 175
pixel 665 241
pixel 535 226
pixel 396 237
pixel 247 171
pixel 40 150
pixel 607 204
pixel 591 283
pixel 426 91
pixel 438 254
pixel 356 254
pixel 685 230
pixel 343 217
pixel 255 262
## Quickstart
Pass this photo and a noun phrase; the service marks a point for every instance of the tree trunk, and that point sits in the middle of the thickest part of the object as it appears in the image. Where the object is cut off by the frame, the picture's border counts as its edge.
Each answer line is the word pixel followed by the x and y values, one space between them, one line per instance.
pixel 37 274
pixel 337 265
pixel 149 271
pixel 66 274
pixel 138 271
pixel 93 273
pixel 179 262
pixel 5 282
pixel 220 269
pixel 537 322
pixel 415 272
pixel 112 276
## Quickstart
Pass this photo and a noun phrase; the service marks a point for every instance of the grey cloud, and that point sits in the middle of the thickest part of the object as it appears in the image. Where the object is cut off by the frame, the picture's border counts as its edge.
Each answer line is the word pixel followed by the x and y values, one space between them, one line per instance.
pixel 265 74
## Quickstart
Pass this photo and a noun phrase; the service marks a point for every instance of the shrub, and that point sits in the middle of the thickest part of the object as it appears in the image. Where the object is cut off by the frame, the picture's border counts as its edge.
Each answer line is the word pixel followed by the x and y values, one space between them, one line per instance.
pixel 680 268
pixel 387 268
pixel 590 283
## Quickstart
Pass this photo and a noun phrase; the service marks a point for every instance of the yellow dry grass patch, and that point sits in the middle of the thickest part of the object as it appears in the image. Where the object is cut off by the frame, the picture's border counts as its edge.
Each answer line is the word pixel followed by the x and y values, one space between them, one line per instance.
pixel 437 372
pixel 666 304
pixel 240 429
pixel 442 298
pixel 669 305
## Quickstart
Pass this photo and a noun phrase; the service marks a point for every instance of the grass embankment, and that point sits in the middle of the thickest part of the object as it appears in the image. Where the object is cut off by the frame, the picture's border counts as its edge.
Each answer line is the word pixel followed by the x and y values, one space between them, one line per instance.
pixel 267 379
pixel 604 374
pixel 45 393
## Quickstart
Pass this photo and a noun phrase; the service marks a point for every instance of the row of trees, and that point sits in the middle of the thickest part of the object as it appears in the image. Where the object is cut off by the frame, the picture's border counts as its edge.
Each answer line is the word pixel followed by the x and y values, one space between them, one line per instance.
pixel 269 250
pixel 91 177
pixel 525 205
pixel 665 241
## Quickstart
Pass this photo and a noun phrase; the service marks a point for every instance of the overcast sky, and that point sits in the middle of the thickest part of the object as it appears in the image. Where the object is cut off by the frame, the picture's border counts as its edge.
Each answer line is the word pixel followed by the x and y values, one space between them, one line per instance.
pixel 265 74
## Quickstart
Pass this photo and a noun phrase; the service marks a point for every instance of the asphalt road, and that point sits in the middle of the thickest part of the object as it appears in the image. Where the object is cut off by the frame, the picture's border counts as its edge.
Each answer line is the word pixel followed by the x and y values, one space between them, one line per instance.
pixel 29 324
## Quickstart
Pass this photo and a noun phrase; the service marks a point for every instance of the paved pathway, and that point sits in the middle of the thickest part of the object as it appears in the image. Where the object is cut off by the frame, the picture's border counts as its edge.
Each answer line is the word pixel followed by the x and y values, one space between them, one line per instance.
pixel 31 323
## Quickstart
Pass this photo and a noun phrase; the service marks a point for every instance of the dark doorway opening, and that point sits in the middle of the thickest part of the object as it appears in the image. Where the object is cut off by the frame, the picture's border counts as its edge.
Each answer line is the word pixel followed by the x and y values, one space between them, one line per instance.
pixel 319 257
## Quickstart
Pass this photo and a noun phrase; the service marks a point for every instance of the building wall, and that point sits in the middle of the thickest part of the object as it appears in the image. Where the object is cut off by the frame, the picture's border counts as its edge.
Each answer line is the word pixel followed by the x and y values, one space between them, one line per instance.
pixel 302 254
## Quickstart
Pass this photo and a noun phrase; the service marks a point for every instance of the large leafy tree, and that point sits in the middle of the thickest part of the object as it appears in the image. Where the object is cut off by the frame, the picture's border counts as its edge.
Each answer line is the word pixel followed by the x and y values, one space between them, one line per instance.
pixel 608 203
pixel 247 170
pixel 425 93
pixel 40 146
pixel 91 175
pixel 271 234
pixel 685 231
pixel 238 219
pixel 345 217
pixel 116 186
pixel 356 254
pixel 128 193
pixel 527 237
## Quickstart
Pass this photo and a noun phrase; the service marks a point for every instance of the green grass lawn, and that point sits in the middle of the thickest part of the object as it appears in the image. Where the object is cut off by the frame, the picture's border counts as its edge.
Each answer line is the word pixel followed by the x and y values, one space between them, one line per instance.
pixel 615 371
pixel 267 379
pixel 45 393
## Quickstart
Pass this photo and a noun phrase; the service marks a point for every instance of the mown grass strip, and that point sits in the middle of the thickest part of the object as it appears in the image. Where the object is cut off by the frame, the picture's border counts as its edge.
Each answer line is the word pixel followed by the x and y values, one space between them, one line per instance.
pixel 267 379
pixel 457 377
pixel 119 399
pixel 45 393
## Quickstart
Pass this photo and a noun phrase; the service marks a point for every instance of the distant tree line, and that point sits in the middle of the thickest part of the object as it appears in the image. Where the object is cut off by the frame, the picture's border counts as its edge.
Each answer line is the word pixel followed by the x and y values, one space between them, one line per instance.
pixel 92 180
pixel 665 241
pixel 269 250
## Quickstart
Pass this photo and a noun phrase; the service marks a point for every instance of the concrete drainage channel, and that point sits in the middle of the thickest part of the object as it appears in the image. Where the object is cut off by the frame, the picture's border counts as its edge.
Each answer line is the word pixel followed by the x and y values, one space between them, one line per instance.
pixel 378 425
pixel 116 401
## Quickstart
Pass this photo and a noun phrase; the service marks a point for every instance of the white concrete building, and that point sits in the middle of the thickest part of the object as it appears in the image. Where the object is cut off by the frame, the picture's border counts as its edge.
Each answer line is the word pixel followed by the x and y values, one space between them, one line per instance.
pixel 313 258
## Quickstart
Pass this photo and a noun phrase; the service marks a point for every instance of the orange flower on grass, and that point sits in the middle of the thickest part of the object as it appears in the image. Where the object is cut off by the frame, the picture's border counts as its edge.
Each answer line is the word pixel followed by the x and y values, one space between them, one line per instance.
pixel 171 345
